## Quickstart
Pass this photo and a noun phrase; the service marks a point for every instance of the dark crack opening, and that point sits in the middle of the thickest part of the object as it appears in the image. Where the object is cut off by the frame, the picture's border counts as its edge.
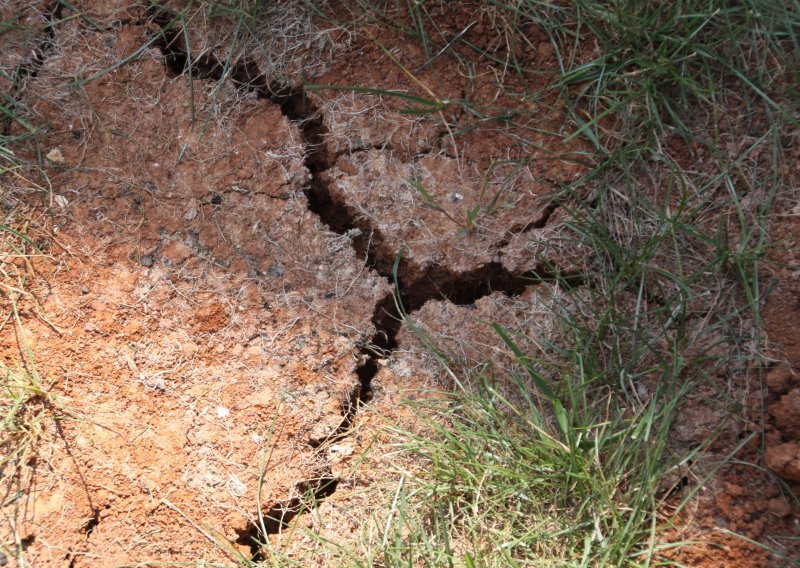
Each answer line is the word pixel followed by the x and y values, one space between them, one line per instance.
pixel 278 516
pixel 92 523
pixel 415 285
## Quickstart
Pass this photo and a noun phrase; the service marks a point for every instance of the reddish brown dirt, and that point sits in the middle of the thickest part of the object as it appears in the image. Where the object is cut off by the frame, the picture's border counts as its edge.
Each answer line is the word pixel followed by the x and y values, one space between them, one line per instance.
pixel 782 382
pixel 201 326
pixel 754 495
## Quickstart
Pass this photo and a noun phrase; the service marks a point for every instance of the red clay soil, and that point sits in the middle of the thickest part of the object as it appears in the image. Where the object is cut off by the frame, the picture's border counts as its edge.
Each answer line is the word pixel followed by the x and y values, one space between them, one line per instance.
pixel 204 306
pixel 200 324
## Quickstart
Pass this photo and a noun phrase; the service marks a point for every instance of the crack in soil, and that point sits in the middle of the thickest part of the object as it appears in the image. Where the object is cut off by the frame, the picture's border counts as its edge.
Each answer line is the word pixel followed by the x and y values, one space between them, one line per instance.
pixel 88 529
pixel 539 223
pixel 281 514
pixel 414 285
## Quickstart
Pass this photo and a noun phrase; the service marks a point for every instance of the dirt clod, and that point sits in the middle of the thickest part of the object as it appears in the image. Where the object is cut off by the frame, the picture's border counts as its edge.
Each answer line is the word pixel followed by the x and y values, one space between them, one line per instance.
pixel 779 379
pixel 784 459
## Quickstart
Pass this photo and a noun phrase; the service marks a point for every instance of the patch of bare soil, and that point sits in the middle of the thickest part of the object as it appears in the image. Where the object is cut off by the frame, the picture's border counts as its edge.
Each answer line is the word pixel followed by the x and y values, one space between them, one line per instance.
pixel 204 322
pixel 218 317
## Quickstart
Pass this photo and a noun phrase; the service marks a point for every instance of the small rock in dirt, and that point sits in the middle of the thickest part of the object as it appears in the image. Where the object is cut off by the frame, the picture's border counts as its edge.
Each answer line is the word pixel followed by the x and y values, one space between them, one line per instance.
pixel 778 379
pixel 325 427
pixel 695 421
pixel 222 412
pixel 176 252
pixel 735 490
pixel 146 260
pixel 189 348
pixel 236 487
pixel 786 412
pixel 455 196
pixel 55 156
pixel 779 506
pixel 84 289
pixel 544 51
pixel 341 451
pixel 275 270
pixel 784 459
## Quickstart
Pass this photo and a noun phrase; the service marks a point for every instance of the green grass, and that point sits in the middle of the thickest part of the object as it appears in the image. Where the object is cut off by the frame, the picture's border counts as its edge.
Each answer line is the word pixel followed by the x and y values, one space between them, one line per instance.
pixel 658 64
pixel 511 481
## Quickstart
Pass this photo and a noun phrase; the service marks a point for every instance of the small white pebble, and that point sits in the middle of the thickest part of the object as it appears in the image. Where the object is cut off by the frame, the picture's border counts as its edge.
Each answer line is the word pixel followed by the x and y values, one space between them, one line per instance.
pixel 55 156
pixel 222 412
pixel 236 487
pixel 342 450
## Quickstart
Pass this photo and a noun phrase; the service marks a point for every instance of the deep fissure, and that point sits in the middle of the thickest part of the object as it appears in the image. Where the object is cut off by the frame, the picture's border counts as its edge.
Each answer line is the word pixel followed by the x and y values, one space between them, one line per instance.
pixel 279 515
pixel 92 523
pixel 413 286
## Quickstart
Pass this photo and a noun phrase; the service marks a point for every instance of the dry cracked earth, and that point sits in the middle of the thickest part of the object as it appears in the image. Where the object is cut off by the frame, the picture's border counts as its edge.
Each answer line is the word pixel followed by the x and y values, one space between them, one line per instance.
pixel 217 309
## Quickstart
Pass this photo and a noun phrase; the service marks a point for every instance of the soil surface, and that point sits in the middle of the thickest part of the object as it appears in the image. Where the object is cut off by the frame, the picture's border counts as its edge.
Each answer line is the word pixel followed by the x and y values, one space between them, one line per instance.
pixel 215 312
